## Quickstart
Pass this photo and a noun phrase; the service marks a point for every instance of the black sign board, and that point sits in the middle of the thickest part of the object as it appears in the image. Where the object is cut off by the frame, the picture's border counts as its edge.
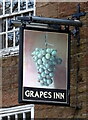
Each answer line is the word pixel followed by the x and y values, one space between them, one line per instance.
pixel 44 66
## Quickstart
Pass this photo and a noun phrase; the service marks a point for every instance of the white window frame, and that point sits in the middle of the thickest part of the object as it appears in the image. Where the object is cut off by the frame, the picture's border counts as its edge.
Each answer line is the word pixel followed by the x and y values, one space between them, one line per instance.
pixel 19 11
pixel 14 14
pixel 7 112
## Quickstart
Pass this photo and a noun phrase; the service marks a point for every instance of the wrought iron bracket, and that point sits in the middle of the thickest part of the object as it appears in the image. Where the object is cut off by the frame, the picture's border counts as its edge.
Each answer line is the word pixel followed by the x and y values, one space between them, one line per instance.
pixel 75 17
pixel 78 14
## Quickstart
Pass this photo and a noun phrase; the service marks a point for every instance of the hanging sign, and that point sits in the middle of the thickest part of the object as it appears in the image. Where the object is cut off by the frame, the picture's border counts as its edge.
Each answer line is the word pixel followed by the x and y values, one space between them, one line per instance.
pixel 44 66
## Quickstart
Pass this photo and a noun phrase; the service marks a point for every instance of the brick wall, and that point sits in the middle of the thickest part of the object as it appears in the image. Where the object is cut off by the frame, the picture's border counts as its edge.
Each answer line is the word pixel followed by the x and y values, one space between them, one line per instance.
pixel 10 68
pixel 10 81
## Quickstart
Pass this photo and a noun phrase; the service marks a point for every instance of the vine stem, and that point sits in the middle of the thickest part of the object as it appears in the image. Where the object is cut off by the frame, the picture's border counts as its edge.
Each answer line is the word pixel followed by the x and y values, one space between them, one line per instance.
pixel 46 40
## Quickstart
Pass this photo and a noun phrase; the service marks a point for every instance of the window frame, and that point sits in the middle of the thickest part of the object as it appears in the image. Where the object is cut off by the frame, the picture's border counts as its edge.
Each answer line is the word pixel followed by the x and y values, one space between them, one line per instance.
pixel 30 11
pixel 16 110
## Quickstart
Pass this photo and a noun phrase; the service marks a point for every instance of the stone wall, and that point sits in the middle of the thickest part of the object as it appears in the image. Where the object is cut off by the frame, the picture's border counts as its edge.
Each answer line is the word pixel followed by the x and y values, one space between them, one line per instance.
pixel 79 57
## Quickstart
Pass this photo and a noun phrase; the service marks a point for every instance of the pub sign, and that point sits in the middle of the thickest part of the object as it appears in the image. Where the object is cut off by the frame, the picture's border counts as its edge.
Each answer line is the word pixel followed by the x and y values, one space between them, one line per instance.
pixel 44 66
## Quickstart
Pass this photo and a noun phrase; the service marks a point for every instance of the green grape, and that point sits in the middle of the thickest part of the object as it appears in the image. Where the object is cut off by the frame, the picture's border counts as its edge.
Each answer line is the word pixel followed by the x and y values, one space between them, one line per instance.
pixel 39 61
pixel 46 84
pixel 41 66
pixel 48 50
pixel 41 70
pixel 59 60
pixel 40 55
pixel 43 74
pixel 54 63
pixel 44 67
pixel 35 58
pixel 47 65
pixel 49 81
pixel 50 69
pixel 37 65
pixel 37 49
pixel 46 72
pixel 51 74
pixel 47 56
pixel 43 52
pixel 54 52
pixel 41 82
pixel 33 53
pixel 36 53
pixel 45 80
pixel 47 76
pixel 39 77
pixel 44 60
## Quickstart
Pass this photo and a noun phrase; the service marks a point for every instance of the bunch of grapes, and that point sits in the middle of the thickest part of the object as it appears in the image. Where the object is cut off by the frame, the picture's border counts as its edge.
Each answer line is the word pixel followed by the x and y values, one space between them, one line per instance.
pixel 46 60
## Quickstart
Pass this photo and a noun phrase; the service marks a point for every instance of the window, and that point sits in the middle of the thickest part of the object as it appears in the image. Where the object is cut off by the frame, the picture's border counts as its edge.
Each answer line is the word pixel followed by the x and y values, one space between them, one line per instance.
pixel 20 113
pixel 10 10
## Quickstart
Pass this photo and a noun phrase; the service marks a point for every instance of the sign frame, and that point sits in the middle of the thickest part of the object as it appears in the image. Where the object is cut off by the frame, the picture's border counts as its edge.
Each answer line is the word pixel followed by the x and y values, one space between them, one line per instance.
pixel 21 98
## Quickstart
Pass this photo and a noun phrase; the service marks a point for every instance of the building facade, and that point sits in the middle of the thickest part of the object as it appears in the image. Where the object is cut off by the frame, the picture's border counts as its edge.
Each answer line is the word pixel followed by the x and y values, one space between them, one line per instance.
pixel 9 60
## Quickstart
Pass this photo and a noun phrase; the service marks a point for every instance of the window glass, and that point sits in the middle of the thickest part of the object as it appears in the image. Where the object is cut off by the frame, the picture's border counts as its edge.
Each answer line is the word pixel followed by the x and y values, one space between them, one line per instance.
pixel 17 38
pixel 12 117
pixel 10 39
pixel 28 116
pixel 30 3
pixel 3 24
pixel 15 6
pixel 2 41
pixel 1 7
pixel 22 4
pixel 20 116
pixel 5 118
pixel 9 26
pixel 7 7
